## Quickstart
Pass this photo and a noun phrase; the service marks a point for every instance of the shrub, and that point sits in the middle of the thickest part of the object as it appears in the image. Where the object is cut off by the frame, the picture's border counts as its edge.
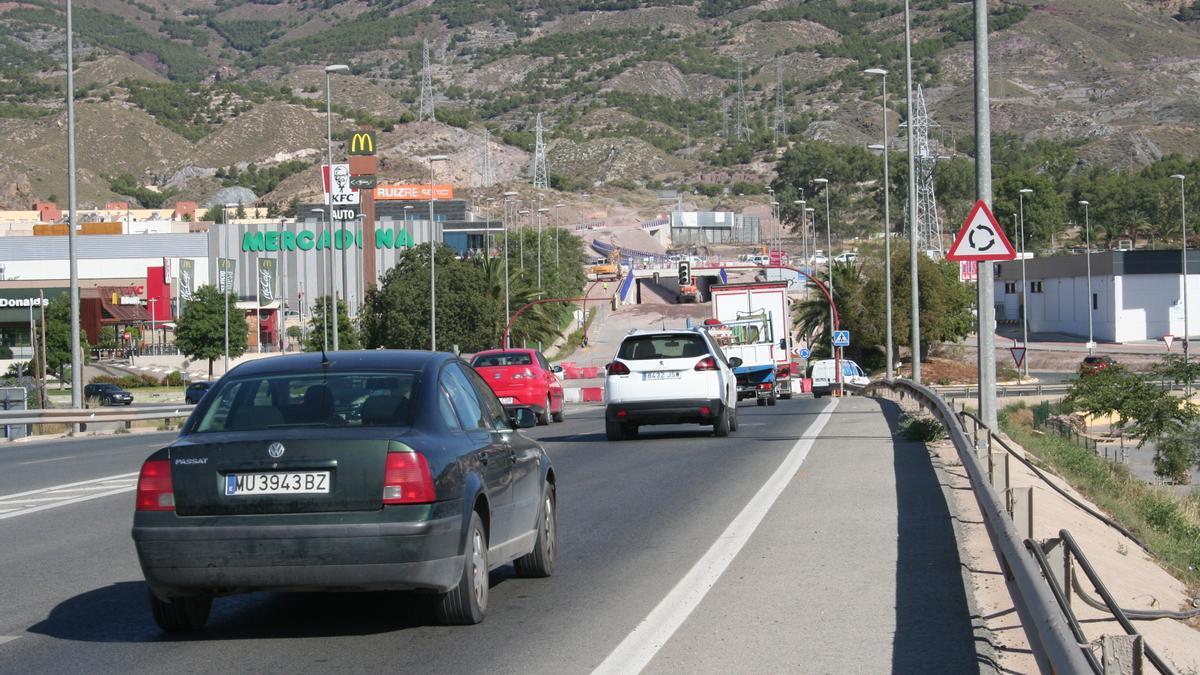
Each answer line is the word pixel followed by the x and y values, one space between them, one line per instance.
pixel 173 379
pixel 921 429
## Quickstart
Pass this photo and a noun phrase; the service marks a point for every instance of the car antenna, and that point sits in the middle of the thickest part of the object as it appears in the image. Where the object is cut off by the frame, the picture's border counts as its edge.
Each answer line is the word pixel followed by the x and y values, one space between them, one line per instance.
pixel 324 357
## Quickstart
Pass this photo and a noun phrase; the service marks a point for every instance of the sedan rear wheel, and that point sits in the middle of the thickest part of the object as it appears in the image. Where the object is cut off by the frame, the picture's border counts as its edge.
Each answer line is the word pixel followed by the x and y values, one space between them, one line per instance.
pixel 562 409
pixel 466 603
pixel 544 416
pixel 181 614
pixel 540 561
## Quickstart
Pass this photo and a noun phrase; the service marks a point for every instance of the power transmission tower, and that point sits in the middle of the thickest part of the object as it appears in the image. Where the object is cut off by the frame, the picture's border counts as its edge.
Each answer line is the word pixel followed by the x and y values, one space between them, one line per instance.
pixel 740 105
pixel 540 176
pixel 487 173
pixel 929 224
pixel 425 109
pixel 780 121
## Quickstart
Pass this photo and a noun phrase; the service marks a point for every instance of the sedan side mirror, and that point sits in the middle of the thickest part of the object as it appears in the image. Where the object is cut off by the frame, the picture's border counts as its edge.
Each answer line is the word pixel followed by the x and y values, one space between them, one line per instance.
pixel 735 362
pixel 556 369
pixel 523 417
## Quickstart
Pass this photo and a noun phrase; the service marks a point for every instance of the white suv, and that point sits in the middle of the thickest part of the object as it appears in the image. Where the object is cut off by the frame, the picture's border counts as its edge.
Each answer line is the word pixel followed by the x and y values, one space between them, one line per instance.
pixel 669 377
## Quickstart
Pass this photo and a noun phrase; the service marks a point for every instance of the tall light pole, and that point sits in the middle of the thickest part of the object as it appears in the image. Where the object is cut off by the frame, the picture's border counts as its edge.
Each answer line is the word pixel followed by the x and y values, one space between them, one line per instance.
pixel 812 225
pixel 330 70
pixel 226 281
pixel 433 258
pixel 153 327
pixel 508 196
pixel 557 232
pixel 76 361
pixel 1087 231
pixel 521 237
pixel 913 227
pixel 887 222
pixel 540 214
pixel 803 237
pixel 489 240
pixel 1025 286
pixel 829 266
pixel 1183 259
pixel 323 263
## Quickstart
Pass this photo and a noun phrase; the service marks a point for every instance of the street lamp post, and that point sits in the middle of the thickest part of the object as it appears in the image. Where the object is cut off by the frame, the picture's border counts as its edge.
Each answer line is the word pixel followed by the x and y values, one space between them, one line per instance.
pixel 812 225
pixel 1087 231
pixel 153 327
pixel 73 223
pixel 433 258
pixel 557 232
pixel 521 237
pixel 803 236
pixel 829 266
pixel 887 222
pixel 1183 260
pixel 226 281
pixel 330 70
pixel 1025 286
pixel 508 196
pixel 540 214
pixel 325 305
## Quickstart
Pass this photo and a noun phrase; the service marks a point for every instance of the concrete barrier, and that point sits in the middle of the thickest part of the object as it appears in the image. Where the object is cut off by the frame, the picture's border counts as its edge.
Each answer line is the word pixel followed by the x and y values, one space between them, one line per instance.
pixel 592 394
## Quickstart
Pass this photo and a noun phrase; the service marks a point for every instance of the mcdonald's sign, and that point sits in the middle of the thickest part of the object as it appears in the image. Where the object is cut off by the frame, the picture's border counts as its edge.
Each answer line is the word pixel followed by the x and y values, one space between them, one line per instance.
pixel 362 143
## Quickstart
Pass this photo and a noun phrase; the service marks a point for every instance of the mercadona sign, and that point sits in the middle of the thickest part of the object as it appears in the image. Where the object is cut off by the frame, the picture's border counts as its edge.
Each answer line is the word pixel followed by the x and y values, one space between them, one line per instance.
pixel 307 240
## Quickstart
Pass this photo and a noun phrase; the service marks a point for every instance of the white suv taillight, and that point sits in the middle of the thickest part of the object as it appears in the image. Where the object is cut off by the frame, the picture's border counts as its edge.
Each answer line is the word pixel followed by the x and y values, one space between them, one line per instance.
pixel 406 479
pixel 154 489
pixel 618 368
pixel 707 363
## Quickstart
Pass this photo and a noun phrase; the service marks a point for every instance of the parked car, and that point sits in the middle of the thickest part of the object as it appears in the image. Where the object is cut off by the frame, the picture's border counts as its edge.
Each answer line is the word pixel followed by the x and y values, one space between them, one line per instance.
pixel 285 478
pixel 106 394
pixel 1094 364
pixel 846 257
pixel 824 376
pixel 669 377
pixel 522 377
pixel 818 258
pixel 195 391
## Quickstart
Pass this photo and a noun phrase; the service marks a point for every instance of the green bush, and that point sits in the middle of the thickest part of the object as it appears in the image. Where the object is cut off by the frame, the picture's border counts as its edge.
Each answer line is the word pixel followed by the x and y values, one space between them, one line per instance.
pixel 173 379
pixel 922 429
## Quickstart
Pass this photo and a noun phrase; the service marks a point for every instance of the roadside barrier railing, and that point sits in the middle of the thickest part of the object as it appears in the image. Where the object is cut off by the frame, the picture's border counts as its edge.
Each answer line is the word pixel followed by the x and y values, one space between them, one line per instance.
pixel 1054 644
pixel 85 416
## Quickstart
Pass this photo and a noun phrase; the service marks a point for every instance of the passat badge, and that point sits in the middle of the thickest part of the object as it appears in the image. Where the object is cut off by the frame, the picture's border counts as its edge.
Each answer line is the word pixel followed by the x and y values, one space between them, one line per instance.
pixel 275 450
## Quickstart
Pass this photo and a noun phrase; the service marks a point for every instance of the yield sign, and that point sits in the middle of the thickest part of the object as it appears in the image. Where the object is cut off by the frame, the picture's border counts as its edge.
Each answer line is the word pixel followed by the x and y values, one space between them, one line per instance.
pixel 1018 354
pixel 981 238
pixel 1168 339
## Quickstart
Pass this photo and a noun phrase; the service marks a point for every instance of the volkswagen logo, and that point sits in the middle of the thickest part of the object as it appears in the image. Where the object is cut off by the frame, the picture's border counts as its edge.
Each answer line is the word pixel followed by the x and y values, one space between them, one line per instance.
pixel 275 450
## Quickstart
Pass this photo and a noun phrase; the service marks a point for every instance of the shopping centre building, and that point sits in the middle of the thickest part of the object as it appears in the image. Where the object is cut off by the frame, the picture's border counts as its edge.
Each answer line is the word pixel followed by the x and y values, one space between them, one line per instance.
pixel 136 267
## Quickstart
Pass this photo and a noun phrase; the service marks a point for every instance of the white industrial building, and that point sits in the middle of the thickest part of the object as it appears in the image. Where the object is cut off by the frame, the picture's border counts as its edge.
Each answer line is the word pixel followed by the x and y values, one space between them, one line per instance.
pixel 1136 295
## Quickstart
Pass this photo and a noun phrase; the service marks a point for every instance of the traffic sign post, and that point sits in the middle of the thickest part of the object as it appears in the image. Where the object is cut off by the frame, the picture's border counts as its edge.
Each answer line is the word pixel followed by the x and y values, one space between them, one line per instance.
pixel 1167 340
pixel 841 338
pixel 981 238
pixel 1018 354
pixel 805 352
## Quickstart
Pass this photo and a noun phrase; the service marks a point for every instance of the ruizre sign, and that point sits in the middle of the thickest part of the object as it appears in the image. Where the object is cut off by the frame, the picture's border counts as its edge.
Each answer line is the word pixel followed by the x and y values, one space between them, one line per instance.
pixel 307 240
pixel 362 143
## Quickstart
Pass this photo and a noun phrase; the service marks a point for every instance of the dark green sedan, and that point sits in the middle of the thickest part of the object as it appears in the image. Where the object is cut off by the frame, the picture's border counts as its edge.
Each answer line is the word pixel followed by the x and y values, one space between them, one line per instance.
pixel 362 471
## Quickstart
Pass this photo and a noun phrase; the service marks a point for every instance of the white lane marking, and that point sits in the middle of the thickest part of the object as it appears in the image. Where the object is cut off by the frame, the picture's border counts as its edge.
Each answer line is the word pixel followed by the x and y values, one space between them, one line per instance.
pixel 63 495
pixel 4 639
pixel 51 459
pixel 648 637
pixel 92 481
pixel 66 502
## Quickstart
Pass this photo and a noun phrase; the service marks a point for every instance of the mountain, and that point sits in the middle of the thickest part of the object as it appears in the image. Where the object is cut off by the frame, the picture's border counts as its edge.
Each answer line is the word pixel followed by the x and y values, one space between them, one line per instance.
pixel 633 93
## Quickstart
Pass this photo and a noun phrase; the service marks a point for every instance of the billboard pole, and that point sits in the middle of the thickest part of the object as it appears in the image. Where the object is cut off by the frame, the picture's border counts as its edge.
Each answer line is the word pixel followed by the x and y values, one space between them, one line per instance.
pixel 983 190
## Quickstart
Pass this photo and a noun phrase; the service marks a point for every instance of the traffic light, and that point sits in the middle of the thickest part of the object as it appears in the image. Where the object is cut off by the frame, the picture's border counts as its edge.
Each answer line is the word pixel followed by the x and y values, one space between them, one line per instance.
pixel 685 273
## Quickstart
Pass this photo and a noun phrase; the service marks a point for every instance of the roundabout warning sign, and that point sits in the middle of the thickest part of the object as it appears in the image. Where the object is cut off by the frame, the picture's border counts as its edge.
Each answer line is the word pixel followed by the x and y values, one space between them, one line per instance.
pixel 981 238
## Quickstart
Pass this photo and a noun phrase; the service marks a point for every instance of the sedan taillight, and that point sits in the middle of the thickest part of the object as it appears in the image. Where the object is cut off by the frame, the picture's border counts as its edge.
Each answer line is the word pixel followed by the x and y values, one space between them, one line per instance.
pixel 618 368
pixel 707 363
pixel 154 489
pixel 406 479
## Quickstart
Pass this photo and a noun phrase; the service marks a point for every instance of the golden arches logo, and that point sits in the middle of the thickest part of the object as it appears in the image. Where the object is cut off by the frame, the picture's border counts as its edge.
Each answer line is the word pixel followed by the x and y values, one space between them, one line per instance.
pixel 362 143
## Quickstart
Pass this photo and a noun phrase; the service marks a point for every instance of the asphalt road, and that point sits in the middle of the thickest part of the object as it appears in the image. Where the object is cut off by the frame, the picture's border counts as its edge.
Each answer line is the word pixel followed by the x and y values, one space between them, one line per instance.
pixel 808 541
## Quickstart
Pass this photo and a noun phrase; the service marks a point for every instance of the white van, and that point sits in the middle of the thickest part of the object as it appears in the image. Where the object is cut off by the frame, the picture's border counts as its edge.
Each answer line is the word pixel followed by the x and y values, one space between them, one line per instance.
pixel 824 380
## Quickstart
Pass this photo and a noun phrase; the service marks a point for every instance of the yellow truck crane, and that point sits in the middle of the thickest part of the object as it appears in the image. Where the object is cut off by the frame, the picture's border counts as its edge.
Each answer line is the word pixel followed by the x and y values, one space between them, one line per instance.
pixel 609 269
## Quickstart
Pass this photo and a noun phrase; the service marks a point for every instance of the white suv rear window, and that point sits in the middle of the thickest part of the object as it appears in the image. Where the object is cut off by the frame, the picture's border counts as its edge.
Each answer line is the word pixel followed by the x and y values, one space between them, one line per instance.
pixel 644 347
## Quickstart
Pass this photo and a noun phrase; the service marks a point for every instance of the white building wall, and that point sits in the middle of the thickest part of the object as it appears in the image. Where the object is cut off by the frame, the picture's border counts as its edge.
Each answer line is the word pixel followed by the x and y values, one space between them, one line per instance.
pixel 1152 306
pixel 1062 307
pixel 94 268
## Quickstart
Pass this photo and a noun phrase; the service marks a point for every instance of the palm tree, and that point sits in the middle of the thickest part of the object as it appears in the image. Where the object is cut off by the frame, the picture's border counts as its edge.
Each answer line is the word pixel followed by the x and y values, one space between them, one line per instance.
pixel 536 324
pixel 811 316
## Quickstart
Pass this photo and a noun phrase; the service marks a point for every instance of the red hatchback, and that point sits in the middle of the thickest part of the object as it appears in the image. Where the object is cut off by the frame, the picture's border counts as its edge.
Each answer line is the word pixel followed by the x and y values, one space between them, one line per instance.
pixel 522 377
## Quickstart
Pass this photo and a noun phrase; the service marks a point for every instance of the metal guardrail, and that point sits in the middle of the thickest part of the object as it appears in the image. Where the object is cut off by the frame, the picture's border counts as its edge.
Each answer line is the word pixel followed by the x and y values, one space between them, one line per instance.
pixel 1035 389
pixel 87 416
pixel 1050 635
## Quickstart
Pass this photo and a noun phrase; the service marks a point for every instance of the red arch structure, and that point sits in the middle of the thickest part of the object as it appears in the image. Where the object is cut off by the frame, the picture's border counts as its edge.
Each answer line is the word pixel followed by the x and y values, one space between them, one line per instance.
pixel 544 301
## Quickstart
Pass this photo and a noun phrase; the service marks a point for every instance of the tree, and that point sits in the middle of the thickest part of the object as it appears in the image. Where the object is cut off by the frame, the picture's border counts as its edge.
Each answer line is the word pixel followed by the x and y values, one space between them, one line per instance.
pixel 200 332
pixel 347 333
pixel 1176 452
pixel 58 339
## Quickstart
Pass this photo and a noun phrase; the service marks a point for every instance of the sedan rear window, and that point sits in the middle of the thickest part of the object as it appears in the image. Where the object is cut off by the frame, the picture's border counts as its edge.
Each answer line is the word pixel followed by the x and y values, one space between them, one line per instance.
pixel 310 400
pixel 506 359
pixel 644 347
